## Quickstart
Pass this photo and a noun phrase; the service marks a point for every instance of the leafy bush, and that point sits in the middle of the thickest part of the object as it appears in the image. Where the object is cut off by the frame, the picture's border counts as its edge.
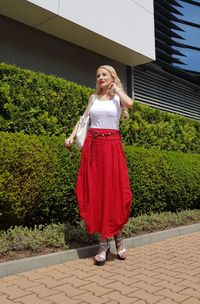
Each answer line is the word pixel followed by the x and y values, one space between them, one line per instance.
pixel 150 127
pixel 35 240
pixel 160 221
pixel 47 105
pixel 37 180
pixel 38 176
pixel 162 180
pixel 28 167
pixel 39 104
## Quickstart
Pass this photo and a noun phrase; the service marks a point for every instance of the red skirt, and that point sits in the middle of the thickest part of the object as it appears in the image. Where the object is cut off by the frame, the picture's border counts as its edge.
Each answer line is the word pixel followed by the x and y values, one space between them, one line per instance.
pixel 103 189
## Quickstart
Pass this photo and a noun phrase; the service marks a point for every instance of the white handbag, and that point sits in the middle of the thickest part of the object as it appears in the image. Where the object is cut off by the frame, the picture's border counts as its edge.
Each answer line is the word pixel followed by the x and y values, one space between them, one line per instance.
pixel 83 126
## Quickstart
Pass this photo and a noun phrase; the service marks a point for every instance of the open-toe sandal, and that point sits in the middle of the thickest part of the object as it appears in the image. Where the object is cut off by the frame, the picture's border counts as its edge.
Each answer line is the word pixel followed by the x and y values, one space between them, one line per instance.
pixel 101 258
pixel 121 253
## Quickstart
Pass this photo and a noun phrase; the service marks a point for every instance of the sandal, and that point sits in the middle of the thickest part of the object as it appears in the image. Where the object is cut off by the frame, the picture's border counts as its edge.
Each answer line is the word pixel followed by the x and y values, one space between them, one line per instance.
pixel 101 258
pixel 121 254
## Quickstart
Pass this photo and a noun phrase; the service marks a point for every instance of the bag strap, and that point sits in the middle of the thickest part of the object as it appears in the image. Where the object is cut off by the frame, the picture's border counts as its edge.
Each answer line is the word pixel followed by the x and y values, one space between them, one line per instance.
pixel 90 105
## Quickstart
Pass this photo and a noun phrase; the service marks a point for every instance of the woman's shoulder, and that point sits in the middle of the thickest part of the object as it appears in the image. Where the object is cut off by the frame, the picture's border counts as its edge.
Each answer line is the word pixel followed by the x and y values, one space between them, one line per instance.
pixel 92 97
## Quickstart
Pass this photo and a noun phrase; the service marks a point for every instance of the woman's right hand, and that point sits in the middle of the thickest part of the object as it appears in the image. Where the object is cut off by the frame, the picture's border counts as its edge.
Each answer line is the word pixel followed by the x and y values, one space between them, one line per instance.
pixel 68 142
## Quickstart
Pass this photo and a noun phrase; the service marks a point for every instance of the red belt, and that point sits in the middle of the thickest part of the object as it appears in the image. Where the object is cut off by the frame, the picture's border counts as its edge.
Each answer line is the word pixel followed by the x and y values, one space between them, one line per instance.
pixel 96 134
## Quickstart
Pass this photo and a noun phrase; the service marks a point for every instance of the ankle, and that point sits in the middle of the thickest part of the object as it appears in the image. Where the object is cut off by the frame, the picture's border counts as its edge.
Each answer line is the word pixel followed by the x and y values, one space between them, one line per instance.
pixel 104 244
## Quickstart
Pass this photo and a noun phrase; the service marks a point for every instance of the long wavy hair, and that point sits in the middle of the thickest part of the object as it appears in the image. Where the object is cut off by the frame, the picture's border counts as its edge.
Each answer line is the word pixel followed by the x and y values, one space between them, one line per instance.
pixel 116 80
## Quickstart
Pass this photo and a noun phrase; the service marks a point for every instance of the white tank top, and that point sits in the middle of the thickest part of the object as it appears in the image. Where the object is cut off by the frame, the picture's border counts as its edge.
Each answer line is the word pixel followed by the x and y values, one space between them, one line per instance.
pixel 105 114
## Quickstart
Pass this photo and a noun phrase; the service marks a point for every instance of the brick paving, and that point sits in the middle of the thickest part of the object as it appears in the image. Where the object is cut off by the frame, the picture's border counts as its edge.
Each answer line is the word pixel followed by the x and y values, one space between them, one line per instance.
pixel 165 272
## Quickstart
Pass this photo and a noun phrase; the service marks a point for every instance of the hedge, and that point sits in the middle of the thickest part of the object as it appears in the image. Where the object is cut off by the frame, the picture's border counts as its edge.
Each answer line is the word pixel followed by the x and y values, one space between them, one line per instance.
pixel 47 105
pixel 151 127
pixel 38 175
pixel 39 104
pixel 162 180
pixel 36 180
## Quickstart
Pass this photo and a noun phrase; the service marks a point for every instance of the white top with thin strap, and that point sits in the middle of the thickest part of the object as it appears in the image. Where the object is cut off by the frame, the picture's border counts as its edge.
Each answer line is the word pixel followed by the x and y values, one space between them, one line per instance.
pixel 105 114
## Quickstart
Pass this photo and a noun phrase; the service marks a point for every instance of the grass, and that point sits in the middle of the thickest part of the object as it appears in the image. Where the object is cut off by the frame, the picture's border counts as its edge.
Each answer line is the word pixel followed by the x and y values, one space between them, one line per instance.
pixel 18 242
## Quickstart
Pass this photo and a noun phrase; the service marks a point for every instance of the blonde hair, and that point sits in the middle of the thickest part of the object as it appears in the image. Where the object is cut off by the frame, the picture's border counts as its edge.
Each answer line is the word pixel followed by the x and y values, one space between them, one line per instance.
pixel 116 79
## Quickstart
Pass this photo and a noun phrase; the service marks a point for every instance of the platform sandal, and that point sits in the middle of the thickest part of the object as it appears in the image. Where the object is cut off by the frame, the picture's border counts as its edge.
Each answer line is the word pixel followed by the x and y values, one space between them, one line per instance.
pixel 101 258
pixel 121 254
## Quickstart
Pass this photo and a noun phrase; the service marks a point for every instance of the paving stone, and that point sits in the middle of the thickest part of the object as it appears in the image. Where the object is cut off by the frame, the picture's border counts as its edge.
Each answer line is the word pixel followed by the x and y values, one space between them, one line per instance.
pixel 166 272
pixel 61 298
pixel 69 290
pixel 74 281
pixel 191 300
pixel 171 287
pixel 41 291
pixel 191 292
pixel 117 296
pixel 166 301
pixel 175 296
pixel 49 282
pixel 96 289
pixel 4 300
pixel 24 283
pixel 90 298
pixel 33 299
pixel 150 298
pixel 14 292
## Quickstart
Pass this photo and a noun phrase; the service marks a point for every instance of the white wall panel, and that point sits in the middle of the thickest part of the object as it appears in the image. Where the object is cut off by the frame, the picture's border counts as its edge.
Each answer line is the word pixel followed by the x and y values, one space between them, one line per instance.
pixel 124 22
pixel 147 4
pixel 120 30
pixel 50 5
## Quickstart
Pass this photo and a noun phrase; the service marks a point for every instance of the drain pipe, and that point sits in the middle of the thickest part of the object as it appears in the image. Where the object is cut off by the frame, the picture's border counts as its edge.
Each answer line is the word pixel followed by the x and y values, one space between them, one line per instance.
pixel 129 81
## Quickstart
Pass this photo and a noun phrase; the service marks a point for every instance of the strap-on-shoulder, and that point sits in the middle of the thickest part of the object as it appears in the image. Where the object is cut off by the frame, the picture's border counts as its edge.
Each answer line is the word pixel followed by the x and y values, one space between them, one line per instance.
pixel 92 98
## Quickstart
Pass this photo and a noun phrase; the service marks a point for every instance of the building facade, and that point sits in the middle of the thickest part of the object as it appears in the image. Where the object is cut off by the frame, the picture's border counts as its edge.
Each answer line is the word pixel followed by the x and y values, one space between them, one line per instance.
pixel 172 82
pixel 154 45
pixel 72 38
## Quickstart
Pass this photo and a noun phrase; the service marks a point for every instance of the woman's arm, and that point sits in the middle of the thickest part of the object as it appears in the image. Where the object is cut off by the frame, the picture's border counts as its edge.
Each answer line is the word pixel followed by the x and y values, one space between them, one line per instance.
pixel 69 141
pixel 126 101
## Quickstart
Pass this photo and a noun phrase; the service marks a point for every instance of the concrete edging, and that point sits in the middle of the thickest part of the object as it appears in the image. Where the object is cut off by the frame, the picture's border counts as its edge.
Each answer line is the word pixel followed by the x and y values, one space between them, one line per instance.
pixel 31 263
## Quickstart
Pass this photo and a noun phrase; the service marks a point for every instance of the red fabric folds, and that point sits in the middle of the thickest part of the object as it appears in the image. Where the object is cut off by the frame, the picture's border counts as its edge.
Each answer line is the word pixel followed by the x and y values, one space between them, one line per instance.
pixel 103 188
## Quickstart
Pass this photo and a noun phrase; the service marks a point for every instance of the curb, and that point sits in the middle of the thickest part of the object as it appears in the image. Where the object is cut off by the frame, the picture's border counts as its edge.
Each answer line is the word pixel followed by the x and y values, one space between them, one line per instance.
pixel 31 263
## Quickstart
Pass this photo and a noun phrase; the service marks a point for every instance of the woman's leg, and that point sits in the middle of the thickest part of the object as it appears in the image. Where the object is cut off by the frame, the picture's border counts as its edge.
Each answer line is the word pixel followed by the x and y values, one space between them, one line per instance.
pixel 102 254
pixel 121 250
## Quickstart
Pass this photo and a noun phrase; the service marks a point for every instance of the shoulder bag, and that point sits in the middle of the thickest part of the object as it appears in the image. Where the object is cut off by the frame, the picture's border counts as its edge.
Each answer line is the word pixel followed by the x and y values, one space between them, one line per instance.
pixel 83 126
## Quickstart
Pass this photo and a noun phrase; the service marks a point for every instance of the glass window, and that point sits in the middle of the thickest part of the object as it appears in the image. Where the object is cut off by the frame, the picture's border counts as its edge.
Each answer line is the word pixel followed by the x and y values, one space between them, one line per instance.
pixel 191 35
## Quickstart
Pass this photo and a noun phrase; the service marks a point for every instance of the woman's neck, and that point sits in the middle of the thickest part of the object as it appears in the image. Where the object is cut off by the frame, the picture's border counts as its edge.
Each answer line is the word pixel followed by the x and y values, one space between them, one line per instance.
pixel 105 92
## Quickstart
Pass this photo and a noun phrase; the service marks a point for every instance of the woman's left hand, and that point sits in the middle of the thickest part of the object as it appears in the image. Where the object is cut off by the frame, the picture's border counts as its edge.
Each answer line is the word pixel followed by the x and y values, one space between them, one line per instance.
pixel 113 88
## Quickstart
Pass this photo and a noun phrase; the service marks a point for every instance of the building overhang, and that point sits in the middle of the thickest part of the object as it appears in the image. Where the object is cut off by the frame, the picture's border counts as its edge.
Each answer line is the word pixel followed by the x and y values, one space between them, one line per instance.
pixel 53 23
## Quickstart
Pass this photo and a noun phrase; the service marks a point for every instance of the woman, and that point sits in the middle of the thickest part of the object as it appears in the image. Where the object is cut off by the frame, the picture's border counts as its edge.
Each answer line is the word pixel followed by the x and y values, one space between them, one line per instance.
pixel 103 189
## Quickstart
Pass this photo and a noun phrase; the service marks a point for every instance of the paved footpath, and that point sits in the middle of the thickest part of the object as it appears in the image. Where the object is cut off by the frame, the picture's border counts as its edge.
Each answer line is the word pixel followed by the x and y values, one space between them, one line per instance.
pixel 165 272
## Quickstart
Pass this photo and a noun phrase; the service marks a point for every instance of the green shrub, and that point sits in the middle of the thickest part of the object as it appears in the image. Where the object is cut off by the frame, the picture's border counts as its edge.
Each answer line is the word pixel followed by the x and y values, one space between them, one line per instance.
pixel 160 221
pixel 38 177
pixel 39 104
pixel 47 105
pixel 162 180
pixel 20 238
pixel 28 167
pixel 37 180
pixel 150 127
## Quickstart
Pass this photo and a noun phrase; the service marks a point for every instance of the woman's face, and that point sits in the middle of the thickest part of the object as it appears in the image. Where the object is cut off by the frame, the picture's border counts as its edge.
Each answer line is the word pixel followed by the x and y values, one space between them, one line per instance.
pixel 104 78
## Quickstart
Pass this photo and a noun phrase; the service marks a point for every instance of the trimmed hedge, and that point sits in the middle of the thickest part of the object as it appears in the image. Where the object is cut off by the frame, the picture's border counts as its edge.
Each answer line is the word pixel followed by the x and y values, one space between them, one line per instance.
pixel 162 180
pixel 150 127
pixel 36 180
pixel 38 175
pixel 39 104
pixel 47 105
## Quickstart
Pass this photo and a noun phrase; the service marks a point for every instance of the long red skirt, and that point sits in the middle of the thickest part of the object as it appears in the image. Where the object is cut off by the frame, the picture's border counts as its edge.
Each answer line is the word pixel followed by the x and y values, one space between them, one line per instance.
pixel 103 188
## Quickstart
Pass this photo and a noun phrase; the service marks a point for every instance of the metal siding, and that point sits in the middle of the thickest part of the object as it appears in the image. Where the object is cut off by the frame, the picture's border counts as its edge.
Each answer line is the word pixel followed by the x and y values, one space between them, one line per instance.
pixel 165 94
